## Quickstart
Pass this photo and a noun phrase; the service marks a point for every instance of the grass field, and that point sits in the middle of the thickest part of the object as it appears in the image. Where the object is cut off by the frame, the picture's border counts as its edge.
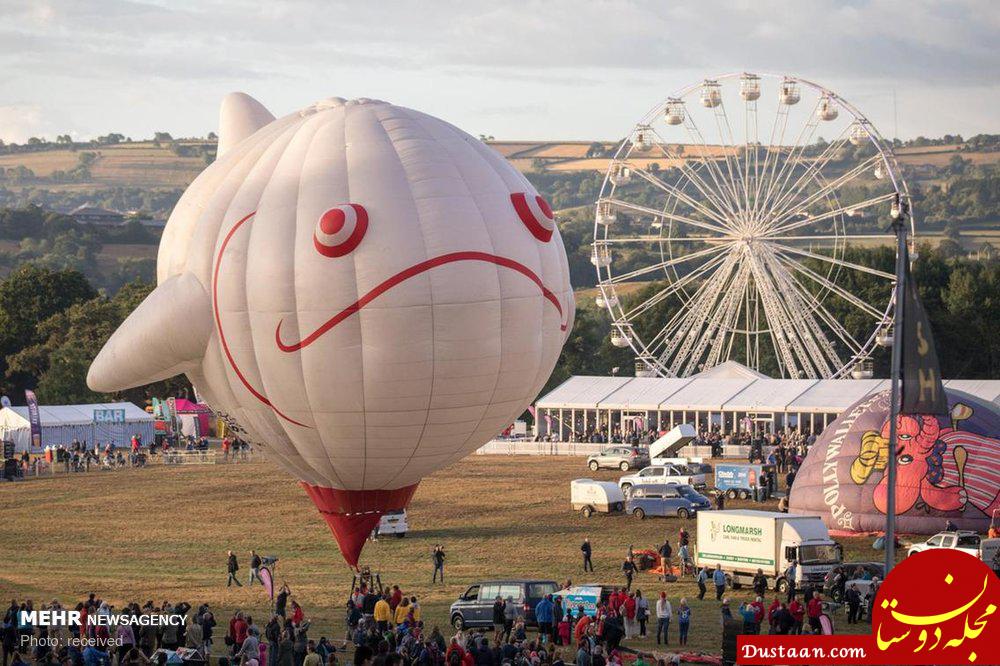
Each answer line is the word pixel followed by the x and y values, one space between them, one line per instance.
pixel 162 533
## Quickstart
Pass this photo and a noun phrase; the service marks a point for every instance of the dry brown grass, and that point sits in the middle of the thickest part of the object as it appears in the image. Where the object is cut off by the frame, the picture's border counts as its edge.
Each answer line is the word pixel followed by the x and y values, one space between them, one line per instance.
pixel 162 533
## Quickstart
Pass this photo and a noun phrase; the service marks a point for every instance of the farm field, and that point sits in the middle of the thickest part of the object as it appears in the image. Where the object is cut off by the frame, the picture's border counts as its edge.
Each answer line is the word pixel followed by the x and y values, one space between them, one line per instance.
pixel 162 533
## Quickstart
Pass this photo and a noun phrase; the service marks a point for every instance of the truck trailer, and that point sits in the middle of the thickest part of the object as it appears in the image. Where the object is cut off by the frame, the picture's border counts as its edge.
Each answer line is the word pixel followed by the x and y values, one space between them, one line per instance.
pixel 743 541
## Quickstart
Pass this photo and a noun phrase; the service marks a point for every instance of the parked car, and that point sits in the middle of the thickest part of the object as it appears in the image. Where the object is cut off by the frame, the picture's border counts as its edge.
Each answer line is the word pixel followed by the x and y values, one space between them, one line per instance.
pixel 619 457
pixel 852 575
pixel 589 497
pixel 666 500
pixel 658 475
pixel 392 522
pixel 988 550
pixel 475 607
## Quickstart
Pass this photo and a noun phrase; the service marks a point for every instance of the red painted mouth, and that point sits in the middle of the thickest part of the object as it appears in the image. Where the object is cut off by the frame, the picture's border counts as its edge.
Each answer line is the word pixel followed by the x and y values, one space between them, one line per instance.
pixel 374 293
pixel 406 274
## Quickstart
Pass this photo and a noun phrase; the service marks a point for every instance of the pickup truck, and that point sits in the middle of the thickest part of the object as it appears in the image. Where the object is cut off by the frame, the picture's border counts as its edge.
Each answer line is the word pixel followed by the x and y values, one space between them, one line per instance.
pixel 659 475
pixel 988 550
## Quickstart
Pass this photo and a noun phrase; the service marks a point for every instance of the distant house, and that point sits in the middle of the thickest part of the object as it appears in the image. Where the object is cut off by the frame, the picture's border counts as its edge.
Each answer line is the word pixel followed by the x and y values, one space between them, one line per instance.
pixel 99 216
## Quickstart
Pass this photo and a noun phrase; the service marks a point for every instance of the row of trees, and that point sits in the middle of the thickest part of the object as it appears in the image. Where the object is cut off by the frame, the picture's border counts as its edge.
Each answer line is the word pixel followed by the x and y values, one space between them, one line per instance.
pixel 53 323
pixel 58 242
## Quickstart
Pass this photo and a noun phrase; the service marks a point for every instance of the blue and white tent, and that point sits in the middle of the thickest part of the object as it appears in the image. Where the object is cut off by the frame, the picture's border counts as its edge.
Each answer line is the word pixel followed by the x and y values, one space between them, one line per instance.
pixel 61 424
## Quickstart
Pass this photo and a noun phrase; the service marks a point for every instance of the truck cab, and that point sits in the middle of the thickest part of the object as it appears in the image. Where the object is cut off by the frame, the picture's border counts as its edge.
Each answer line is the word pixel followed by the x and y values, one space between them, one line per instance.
pixel 815 558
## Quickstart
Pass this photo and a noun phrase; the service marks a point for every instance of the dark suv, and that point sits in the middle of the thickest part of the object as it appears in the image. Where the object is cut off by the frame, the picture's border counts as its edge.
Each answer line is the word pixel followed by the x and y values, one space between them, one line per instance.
pixel 475 607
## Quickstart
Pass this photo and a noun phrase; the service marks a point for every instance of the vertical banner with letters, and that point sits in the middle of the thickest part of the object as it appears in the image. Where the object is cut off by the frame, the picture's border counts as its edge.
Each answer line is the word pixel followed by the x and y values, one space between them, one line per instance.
pixel 923 392
pixel 34 419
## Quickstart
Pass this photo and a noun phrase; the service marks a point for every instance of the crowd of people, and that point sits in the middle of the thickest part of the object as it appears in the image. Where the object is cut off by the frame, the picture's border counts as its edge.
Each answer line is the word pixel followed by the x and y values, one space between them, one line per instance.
pixel 386 629
pixel 81 456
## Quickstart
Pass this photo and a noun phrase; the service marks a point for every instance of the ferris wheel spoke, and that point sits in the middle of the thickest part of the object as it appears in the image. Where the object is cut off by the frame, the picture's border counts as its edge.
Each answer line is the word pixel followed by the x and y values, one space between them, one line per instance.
pixel 730 197
pixel 827 237
pixel 817 308
pixel 657 240
pixel 816 166
pixel 729 326
pixel 727 144
pixel 750 140
pixel 805 326
pixel 681 195
pixel 834 324
pixel 838 262
pixel 674 287
pixel 788 165
pixel 713 334
pixel 697 311
pixel 833 287
pixel 777 326
pixel 831 186
pixel 624 277
pixel 780 118
pixel 723 209
pixel 768 175
pixel 798 329
pixel 704 308
pixel 841 210
pixel 638 208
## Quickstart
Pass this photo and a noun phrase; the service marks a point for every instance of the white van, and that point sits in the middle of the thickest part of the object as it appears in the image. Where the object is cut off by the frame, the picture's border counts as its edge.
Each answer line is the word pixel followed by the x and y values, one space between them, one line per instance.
pixel 393 522
pixel 588 496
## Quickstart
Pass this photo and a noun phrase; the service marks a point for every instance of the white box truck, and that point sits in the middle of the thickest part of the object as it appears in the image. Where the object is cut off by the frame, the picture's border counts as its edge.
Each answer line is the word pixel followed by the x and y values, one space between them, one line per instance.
pixel 742 541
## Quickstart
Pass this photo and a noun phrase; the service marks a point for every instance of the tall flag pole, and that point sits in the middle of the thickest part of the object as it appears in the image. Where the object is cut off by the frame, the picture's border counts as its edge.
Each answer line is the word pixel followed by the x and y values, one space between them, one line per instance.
pixel 916 375
pixel 899 215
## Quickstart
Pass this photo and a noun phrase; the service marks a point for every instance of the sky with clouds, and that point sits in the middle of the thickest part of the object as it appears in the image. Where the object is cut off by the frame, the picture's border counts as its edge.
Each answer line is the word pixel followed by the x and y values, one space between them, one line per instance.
pixel 550 69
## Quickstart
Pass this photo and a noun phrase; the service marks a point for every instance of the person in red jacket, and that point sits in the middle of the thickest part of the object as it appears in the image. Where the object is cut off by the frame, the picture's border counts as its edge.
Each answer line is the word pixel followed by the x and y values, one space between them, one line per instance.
pixel 298 615
pixel 454 648
pixel 758 612
pixel 771 610
pixel 814 609
pixel 238 630
pixel 581 628
pixel 798 612
pixel 628 613
pixel 396 598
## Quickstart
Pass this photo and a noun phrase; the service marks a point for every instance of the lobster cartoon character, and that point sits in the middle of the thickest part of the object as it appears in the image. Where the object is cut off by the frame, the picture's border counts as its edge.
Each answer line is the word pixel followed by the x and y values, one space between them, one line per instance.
pixel 934 471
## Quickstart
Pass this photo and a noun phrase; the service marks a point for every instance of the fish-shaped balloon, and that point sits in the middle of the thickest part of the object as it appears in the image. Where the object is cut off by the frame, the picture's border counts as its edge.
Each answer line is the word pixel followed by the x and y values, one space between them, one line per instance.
pixel 369 292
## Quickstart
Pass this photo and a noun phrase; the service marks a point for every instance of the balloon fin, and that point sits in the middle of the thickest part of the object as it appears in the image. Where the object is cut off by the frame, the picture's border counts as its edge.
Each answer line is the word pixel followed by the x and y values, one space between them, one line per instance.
pixel 165 336
pixel 353 514
pixel 239 117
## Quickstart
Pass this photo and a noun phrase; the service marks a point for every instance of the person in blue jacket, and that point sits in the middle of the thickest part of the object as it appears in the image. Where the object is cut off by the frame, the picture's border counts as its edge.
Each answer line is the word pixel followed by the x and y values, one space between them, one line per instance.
pixel 543 616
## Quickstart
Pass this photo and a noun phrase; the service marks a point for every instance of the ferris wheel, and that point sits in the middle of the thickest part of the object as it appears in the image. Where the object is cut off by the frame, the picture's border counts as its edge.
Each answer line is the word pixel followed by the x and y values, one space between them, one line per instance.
pixel 725 227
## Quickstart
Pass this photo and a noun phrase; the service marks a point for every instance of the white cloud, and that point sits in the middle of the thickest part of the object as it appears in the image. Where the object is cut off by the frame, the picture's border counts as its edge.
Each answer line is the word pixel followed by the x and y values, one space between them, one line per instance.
pixel 591 67
pixel 19 122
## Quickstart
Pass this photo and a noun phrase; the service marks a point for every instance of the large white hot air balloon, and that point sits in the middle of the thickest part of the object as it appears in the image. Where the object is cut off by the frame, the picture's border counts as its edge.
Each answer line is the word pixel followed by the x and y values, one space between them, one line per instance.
pixel 368 291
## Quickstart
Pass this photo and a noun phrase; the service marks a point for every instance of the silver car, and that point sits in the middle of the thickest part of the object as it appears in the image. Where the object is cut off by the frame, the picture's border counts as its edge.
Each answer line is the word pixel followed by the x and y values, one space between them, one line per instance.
pixel 619 457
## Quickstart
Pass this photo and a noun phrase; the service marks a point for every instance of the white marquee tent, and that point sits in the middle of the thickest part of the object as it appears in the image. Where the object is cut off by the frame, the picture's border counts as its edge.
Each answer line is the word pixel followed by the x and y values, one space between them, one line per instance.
pixel 61 424
pixel 724 396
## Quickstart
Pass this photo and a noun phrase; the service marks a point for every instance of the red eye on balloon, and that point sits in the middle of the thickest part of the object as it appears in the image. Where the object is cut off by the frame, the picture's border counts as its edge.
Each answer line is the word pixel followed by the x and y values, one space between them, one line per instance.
pixel 534 211
pixel 340 230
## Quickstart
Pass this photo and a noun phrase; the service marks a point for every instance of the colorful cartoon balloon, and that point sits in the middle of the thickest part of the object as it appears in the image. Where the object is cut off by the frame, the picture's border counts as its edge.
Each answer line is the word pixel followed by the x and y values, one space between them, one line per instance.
pixel 368 291
pixel 948 468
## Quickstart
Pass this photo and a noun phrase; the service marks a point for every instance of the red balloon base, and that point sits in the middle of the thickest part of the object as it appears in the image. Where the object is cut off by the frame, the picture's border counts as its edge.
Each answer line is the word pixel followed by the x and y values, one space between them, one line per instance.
pixel 353 514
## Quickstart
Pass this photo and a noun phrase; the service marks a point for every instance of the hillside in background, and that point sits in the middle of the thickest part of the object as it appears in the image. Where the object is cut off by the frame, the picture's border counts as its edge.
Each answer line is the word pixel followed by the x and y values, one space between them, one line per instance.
pixel 955 185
